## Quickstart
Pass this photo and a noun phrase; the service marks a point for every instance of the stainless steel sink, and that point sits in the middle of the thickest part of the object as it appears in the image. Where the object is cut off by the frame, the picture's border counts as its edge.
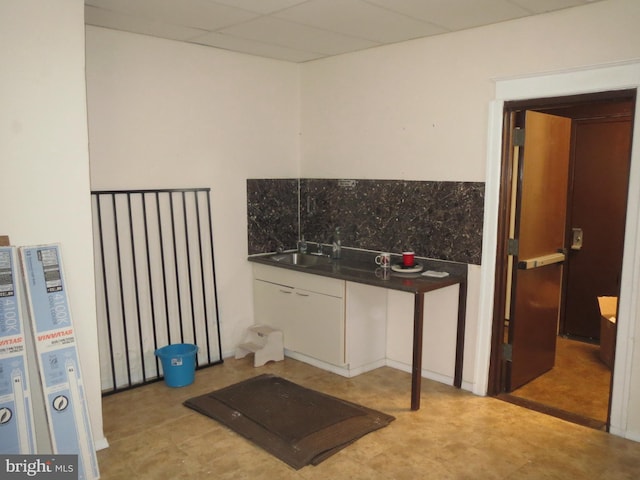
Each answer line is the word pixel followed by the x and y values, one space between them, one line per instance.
pixel 301 259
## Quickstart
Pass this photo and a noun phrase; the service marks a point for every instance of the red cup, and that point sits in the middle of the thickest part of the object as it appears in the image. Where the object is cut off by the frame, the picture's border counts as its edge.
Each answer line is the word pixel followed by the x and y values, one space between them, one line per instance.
pixel 408 259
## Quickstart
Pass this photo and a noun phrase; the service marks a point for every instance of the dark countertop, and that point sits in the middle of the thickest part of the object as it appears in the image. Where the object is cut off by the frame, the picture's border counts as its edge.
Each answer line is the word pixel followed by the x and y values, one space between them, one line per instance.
pixel 359 266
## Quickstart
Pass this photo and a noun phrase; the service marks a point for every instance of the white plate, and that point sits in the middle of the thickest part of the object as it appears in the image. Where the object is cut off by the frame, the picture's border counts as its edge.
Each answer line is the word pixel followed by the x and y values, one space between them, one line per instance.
pixel 398 267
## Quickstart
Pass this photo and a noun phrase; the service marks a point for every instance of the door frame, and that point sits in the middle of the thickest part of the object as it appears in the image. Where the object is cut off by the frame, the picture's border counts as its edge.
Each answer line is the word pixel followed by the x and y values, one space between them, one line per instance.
pixel 599 79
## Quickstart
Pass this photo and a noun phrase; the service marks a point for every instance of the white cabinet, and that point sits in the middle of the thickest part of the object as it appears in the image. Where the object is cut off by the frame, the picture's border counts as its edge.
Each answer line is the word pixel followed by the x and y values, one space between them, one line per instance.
pixel 309 309
pixel 333 324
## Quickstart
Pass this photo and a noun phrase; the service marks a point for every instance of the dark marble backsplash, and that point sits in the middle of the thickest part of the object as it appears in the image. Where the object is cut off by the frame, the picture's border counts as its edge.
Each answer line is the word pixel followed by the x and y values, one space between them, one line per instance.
pixel 441 220
pixel 272 214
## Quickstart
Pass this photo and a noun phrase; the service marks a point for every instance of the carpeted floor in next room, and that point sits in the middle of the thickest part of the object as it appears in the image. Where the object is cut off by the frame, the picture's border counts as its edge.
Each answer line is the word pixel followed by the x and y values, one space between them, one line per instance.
pixel 455 435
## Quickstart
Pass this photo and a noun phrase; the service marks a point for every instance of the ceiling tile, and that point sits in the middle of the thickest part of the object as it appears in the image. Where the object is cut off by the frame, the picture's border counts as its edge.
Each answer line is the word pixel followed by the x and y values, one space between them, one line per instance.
pixel 261 6
pixel 360 19
pixel 189 13
pixel 458 14
pixel 542 6
pixel 252 47
pixel 292 35
pixel 118 21
pixel 201 14
pixel 107 4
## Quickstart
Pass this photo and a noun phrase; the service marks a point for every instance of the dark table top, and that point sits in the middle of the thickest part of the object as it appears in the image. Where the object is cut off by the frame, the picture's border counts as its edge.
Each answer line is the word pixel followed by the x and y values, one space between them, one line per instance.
pixel 360 267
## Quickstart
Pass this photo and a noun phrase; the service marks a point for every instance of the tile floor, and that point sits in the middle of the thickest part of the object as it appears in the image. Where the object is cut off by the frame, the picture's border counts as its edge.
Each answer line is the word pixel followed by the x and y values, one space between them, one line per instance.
pixel 578 383
pixel 455 435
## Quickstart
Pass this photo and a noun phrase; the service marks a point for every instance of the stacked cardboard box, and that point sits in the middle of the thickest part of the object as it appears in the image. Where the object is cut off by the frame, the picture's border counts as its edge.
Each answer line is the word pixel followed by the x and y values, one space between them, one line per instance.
pixel 608 313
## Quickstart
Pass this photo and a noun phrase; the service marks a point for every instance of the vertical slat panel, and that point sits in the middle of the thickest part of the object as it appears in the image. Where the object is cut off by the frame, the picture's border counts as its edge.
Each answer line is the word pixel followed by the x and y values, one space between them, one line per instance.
pixel 155 278
pixel 107 362
pixel 212 286
pixel 150 254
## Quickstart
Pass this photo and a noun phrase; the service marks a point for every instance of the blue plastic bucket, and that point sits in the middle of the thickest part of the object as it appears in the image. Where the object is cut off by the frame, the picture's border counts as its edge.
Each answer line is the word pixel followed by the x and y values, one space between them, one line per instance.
pixel 178 363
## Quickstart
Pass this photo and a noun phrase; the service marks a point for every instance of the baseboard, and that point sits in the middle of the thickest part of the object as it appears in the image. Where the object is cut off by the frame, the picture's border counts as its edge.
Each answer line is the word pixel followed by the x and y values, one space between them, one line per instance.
pixel 100 443
pixel 437 377
pixel 634 436
pixel 348 372
pixel 342 370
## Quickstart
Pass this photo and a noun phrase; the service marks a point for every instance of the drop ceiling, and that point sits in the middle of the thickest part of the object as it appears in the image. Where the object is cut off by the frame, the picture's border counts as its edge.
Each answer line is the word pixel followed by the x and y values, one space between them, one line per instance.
pixel 304 30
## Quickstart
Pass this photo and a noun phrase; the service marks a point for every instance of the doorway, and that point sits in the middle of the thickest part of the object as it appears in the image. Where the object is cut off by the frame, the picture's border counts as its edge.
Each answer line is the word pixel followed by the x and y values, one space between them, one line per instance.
pixel 565 372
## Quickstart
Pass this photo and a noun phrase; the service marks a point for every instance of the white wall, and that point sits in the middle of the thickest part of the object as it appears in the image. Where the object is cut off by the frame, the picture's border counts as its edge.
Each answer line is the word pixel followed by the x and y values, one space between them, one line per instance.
pixel 164 114
pixel 419 110
pixel 44 158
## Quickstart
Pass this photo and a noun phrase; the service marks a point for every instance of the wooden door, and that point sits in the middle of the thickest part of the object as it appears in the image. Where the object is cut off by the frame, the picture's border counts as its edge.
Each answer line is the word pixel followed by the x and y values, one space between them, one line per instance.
pixel 539 227
pixel 602 152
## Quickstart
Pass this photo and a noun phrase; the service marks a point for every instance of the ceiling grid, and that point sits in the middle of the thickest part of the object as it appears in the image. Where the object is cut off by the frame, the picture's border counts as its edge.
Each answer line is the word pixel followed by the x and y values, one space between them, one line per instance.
pixel 305 30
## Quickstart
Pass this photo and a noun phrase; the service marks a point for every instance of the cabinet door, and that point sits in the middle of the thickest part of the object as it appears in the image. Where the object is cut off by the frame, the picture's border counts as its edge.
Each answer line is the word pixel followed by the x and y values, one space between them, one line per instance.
pixel 272 305
pixel 318 326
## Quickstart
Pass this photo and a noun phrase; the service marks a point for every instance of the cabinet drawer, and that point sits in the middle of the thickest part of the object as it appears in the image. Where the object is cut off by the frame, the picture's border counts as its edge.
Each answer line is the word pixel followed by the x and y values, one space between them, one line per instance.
pixel 300 280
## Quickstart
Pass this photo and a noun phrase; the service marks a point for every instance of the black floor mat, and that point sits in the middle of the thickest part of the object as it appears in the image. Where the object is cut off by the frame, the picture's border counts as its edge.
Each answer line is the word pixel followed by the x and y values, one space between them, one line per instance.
pixel 298 425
